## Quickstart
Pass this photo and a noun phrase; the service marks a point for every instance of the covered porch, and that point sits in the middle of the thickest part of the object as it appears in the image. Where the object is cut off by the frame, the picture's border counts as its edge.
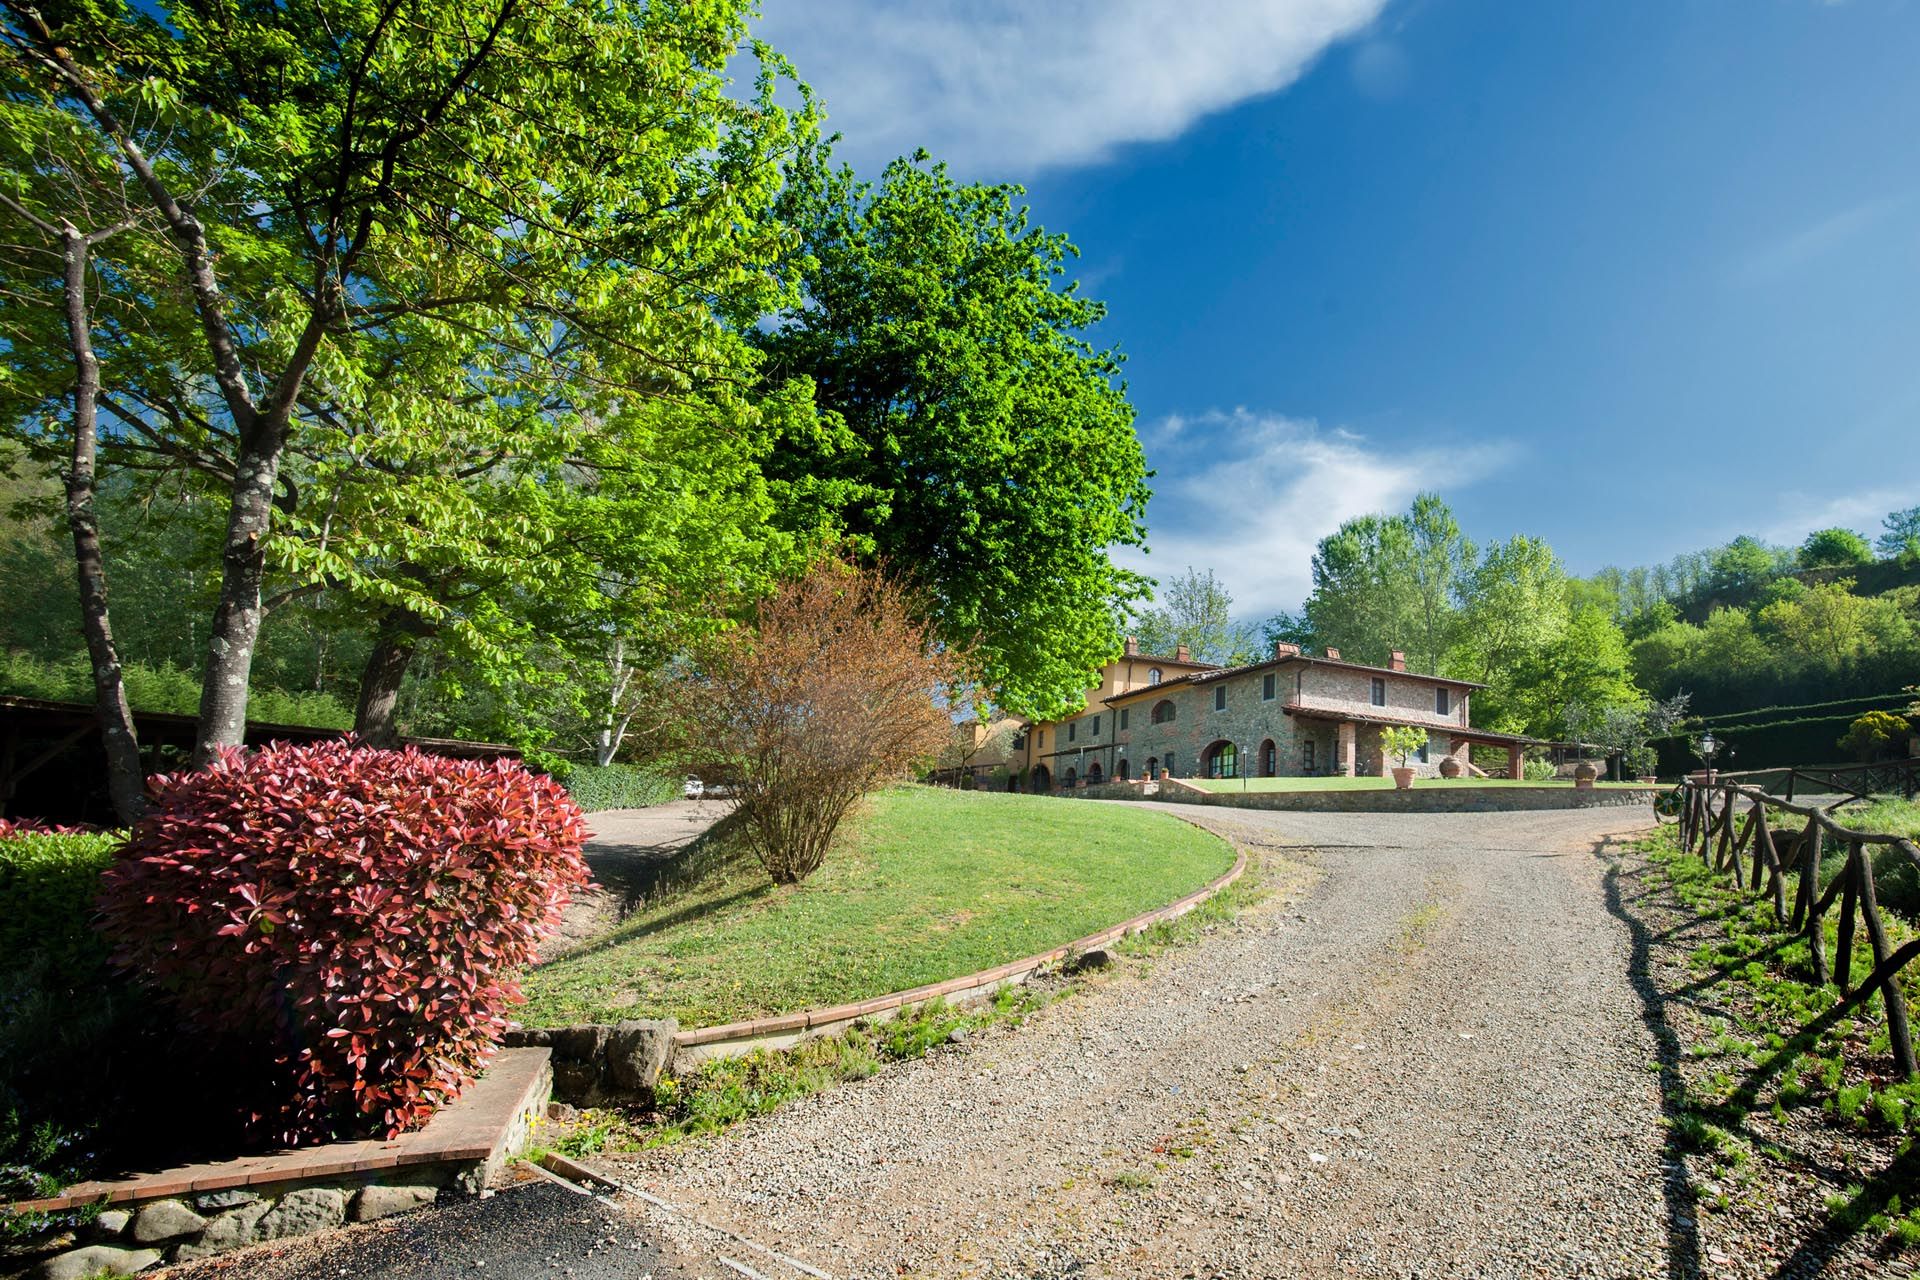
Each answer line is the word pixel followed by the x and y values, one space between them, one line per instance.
pixel 1356 741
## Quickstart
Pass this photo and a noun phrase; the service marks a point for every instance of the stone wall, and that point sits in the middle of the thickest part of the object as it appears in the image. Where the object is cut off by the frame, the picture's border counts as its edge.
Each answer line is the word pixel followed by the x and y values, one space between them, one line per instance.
pixel 596 1063
pixel 1447 799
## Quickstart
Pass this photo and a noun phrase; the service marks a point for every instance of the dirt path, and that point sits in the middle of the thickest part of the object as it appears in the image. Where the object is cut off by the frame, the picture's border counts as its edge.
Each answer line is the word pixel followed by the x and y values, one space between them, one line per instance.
pixel 1425 1060
pixel 627 849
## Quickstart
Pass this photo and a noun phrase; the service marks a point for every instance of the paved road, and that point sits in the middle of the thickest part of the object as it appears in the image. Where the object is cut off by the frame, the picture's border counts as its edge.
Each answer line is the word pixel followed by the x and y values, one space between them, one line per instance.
pixel 1428 1061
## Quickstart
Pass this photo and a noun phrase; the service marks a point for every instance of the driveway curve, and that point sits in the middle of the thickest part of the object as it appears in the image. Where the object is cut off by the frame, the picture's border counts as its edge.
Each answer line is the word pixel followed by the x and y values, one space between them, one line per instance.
pixel 1421 1055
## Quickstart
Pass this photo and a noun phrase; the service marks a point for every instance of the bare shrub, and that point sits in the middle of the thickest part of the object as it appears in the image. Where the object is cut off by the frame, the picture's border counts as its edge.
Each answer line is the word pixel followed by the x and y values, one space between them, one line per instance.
pixel 838 689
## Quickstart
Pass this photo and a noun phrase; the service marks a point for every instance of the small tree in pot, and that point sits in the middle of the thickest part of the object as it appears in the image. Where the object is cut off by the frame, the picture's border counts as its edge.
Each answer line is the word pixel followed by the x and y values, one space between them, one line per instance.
pixel 1400 742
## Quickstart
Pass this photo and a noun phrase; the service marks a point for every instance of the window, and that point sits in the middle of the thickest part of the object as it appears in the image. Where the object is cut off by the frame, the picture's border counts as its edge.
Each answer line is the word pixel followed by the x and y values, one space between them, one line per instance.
pixel 1299 682
pixel 1153 676
pixel 1019 742
pixel 1040 740
pixel 1379 692
pixel 1266 687
pixel 1306 755
pixel 1073 730
pixel 1421 755
pixel 1096 726
pixel 1224 761
pixel 1123 717
pixel 1163 711
pixel 1442 705
pixel 1269 759
pixel 1167 765
pixel 1220 698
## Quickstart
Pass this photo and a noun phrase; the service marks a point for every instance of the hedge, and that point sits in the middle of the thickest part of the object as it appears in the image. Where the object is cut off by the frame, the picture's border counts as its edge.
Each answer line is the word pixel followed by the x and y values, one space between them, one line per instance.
pixel 619 786
pixel 48 885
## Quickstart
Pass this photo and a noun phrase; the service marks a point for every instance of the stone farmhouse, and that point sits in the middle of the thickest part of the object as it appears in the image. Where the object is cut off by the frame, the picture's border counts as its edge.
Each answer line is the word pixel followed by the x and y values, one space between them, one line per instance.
pixel 1293 714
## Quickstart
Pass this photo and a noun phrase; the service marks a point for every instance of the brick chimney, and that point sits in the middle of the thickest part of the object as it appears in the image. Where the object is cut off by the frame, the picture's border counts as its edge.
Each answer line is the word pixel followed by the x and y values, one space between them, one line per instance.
pixel 1397 659
pixel 1286 649
pixel 1183 654
pixel 1333 655
pixel 1133 646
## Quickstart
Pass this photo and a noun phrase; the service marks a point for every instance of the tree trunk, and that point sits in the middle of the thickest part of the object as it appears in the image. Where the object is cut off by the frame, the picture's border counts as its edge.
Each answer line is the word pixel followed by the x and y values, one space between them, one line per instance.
pixel 126 780
pixel 236 618
pixel 393 648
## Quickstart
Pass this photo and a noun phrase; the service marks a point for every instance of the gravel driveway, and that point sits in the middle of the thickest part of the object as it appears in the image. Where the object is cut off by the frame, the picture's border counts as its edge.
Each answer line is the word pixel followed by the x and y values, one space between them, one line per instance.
pixel 1422 1057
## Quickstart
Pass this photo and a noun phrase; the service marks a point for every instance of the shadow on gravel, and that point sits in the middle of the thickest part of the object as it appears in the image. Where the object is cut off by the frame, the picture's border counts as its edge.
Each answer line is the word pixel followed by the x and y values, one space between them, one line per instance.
pixel 1683 1234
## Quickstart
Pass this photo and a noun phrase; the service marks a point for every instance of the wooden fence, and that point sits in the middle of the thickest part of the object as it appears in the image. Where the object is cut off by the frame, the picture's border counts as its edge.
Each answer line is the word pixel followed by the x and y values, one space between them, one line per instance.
pixel 1762 859
pixel 1852 781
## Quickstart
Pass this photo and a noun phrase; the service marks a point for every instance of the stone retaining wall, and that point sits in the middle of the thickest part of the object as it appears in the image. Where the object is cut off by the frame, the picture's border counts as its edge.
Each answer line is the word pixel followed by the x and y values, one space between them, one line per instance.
pixel 1418 799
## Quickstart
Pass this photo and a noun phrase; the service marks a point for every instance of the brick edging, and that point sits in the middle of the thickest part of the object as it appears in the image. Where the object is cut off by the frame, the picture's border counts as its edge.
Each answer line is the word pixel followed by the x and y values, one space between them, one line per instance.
pixel 830 1015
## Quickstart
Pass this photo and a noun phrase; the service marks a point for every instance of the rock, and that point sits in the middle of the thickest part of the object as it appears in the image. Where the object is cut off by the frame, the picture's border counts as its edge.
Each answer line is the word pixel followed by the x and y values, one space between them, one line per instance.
pixel 164 1220
pixel 583 1043
pixel 303 1212
pixel 112 1222
pixel 230 1230
pixel 1089 961
pixel 563 1112
pixel 957 1036
pixel 231 1198
pixel 636 1053
pixel 527 1038
pixel 84 1264
pixel 379 1202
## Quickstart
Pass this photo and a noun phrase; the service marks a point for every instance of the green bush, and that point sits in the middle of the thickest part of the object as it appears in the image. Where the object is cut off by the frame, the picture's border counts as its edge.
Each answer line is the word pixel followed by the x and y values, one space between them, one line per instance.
pixel 48 884
pixel 619 786
pixel 164 688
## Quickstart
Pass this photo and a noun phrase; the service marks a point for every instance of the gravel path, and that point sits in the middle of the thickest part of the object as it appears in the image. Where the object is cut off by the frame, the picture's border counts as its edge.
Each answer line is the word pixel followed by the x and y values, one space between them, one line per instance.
pixel 1422 1056
pixel 626 852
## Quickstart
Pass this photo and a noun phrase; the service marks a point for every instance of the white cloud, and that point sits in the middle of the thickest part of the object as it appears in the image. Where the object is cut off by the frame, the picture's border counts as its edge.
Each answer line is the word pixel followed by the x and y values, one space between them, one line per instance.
pixel 1861 512
pixel 1250 495
pixel 1007 87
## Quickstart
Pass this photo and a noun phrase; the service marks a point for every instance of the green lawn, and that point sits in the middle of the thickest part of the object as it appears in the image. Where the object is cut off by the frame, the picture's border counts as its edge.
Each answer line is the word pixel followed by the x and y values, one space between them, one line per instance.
pixel 926 884
pixel 1368 784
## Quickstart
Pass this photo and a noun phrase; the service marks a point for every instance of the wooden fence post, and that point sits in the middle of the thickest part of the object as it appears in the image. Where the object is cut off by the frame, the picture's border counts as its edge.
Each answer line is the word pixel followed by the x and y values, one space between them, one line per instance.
pixel 1849 898
pixel 1890 994
pixel 1810 889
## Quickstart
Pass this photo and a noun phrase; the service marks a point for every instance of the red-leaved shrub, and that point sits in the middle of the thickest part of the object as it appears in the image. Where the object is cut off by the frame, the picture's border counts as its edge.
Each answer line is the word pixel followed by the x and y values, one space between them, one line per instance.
pixel 350 919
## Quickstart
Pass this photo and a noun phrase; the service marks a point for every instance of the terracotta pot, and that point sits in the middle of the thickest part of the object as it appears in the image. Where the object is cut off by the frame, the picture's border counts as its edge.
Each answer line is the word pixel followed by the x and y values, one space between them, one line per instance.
pixel 1403 778
pixel 1450 767
pixel 1584 775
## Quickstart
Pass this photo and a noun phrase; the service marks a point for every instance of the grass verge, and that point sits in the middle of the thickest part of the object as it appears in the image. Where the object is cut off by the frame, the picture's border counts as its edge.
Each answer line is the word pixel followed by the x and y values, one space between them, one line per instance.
pixel 1772 1080
pixel 926 884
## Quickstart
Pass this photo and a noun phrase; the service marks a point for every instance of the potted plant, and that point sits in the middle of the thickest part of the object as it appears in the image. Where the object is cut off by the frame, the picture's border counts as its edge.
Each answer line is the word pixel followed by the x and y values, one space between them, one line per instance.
pixel 1401 741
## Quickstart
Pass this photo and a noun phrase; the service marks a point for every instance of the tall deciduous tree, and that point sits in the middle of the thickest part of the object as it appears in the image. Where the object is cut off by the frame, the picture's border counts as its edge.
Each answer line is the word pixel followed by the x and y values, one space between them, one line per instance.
pixel 972 436
pixel 1365 599
pixel 1196 611
pixel 325 174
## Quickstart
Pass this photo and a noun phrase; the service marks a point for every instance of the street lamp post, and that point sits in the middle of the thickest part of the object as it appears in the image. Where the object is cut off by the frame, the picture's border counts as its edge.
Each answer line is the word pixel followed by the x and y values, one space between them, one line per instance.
pixel 1708 746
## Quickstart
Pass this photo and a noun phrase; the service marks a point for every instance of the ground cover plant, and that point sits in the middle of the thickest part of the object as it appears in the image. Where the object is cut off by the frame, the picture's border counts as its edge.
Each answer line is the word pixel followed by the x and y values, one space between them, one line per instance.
pixel 1769 1091
pixel 346 922
pixel 619 786
pixel 926 884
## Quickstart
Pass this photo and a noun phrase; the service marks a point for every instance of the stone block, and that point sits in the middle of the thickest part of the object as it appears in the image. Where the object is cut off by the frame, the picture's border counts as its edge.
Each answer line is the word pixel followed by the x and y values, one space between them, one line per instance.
pixel 230 1230
pixel 382 1201
pixel 584 1043
pixel 637 1052
pixel 112 1222
pixel 165 1220
pixel 231 1198
pixel 303 1212
pixel 84 1264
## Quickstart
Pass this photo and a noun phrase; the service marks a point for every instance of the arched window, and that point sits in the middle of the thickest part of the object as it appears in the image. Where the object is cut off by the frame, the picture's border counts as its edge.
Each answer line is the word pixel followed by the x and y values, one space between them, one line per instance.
pixel 1223 760
pixel 1269 759
pixel 1153 675
pixel 1042 780
pixel 1163 711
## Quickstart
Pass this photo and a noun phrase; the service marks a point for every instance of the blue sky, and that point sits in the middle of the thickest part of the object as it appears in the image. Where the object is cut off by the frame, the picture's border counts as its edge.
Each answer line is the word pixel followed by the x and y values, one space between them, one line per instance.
pixel 1633 276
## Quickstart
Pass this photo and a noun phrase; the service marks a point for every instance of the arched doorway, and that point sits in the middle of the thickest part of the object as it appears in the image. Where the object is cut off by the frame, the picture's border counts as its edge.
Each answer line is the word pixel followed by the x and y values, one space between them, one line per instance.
pixel 1269 759
pixel 1222 760
pixel 1153 768
pixel 1042 780
pixel 1094 776
pixel 1120 771
pixel 1071 778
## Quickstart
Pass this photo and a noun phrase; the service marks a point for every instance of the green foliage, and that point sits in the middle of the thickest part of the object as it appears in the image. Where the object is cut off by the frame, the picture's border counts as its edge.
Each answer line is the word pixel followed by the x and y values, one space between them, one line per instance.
pixel 1197 612
pixel 164 688
pixel 1834 548
pixel 970 433
pixel 48 884
pixel 1900 533
pixel 1401 741
pixel 620 786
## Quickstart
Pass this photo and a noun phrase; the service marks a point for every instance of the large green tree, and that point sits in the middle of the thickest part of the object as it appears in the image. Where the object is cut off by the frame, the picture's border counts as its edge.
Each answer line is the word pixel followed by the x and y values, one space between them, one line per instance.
pixel 1366 600
pixel 972 435
pixel 277 195
pixel 1195 610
